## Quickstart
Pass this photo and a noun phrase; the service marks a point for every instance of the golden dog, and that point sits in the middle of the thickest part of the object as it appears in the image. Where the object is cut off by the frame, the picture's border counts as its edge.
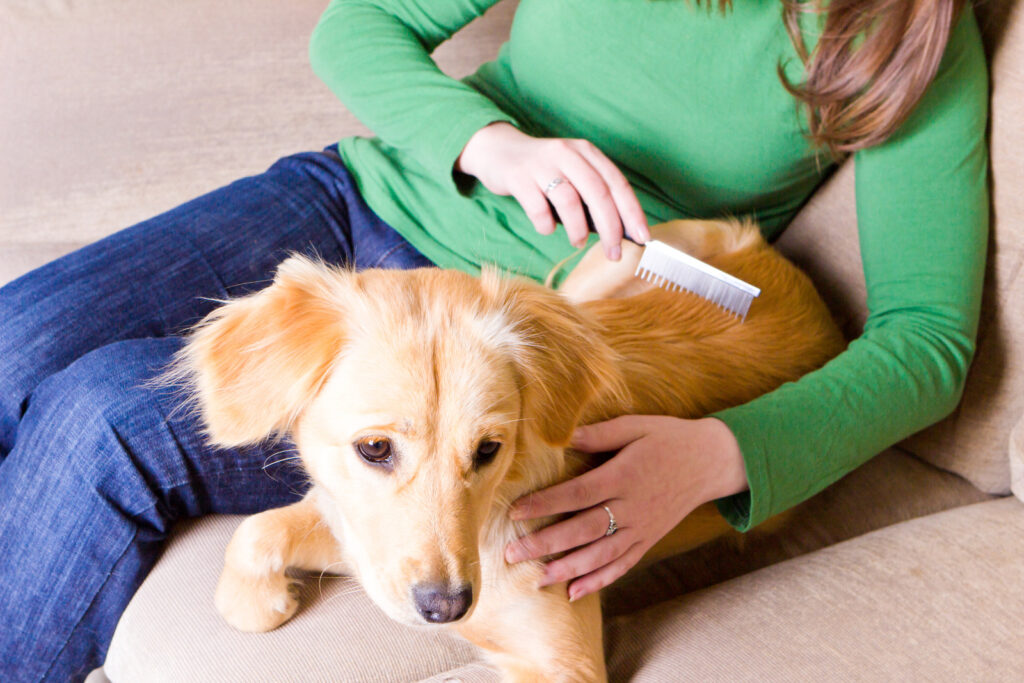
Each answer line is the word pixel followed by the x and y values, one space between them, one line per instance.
pixel 423 402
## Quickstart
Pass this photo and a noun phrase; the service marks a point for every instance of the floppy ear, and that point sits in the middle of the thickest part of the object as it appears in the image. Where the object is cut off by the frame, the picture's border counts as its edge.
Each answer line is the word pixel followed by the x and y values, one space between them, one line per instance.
pixel 563 360
pixel 255 363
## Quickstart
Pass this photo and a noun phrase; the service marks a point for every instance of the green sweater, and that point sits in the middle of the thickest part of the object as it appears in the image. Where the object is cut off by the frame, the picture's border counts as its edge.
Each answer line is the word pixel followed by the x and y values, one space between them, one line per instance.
pixel 689 106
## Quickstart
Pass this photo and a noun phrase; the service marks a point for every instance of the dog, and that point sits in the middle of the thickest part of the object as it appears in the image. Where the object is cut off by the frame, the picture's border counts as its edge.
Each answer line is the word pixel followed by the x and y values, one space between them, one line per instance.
pixel 423 402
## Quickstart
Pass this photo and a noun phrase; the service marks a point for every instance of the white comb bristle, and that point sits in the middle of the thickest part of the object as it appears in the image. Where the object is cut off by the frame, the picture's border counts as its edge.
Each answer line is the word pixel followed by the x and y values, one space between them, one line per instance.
pixel 672 269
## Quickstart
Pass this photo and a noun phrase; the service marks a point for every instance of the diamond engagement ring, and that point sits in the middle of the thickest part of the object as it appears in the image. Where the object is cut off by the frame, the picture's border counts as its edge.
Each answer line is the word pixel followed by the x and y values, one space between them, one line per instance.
pixel 612 526
pixel 553 184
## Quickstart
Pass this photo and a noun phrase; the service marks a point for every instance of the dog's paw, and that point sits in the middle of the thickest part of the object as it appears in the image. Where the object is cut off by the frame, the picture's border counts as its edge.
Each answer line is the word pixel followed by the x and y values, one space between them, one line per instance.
pixel 256 603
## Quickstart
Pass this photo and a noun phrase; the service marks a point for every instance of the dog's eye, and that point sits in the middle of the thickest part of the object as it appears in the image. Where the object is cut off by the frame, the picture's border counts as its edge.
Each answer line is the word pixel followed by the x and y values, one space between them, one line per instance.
pixel 374 450
pixel 485 452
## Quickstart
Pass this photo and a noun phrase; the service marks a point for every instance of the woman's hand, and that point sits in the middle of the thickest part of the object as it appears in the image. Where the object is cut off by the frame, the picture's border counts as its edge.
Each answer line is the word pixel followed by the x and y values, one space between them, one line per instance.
pixel 666 467
pixel 510 162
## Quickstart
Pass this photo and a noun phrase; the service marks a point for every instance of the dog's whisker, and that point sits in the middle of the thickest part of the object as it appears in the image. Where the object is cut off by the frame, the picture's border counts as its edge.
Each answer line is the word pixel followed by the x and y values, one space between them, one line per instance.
pixel 267 461
pixel 324 571
pixel 336 576
pixel 278 462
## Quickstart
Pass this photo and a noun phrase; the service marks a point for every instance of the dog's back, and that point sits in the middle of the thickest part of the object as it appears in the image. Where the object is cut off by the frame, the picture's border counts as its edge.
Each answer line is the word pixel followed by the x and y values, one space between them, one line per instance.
pixel 682 355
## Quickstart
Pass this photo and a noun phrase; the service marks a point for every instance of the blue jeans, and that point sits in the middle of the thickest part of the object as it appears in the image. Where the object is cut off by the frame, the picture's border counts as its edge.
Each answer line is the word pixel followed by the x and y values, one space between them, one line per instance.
pixel 95 466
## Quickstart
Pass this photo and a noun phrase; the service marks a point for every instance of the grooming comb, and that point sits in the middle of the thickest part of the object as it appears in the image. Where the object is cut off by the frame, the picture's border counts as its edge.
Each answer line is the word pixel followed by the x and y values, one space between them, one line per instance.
pixel 674 270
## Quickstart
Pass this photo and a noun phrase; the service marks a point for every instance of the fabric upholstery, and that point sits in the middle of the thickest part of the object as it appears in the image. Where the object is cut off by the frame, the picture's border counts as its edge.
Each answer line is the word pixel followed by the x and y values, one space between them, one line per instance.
pixel 936 598
pixel 171 631
pixel 1017 459
pixel 354 641
pixel 973 441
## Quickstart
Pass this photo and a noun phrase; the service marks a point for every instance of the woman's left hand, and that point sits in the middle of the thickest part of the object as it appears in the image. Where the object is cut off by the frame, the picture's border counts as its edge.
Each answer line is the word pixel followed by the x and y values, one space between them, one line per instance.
pixel 665 467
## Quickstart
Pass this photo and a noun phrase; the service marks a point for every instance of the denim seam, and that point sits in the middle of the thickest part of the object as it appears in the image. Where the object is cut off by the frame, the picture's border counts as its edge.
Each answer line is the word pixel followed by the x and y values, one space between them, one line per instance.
pixel 387 253
pixel 81 616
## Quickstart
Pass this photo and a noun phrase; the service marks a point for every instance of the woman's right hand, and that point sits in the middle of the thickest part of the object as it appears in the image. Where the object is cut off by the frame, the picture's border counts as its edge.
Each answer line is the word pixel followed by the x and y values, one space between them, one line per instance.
pixel 510 162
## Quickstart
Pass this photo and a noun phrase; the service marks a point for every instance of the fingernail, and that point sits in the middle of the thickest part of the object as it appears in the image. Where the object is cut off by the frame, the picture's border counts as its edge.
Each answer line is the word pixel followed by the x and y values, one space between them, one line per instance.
pixel 614 253
pixel 642 234
pixel 511 556
pixel 575 594
pixel 516 513
pixel 577 436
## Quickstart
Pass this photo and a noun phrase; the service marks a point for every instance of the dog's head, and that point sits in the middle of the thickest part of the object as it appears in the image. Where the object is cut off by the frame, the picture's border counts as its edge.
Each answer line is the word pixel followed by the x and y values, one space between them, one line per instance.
pixel 421 402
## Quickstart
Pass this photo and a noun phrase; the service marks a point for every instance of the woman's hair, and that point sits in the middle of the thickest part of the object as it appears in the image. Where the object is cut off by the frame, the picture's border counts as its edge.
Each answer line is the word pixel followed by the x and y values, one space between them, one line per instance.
pixel 871 65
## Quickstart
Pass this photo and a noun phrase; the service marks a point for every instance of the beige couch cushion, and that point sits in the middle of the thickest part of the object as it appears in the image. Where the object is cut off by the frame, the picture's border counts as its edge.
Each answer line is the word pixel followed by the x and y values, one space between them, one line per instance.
pixel 937 598
pixel 170 630
pixel 1017 459
pixel 823 240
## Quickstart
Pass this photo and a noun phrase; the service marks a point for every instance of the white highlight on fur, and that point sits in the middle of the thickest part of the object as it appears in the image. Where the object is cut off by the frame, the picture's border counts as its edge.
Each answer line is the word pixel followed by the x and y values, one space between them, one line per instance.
pixel 496 331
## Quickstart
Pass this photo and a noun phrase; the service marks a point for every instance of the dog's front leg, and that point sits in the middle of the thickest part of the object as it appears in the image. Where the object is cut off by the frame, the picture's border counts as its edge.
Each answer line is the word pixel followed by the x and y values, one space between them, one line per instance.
pixel 536 634
pixel 253 593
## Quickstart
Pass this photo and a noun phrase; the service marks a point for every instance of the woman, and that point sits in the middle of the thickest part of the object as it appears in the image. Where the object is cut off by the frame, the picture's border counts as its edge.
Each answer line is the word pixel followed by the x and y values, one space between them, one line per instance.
pixel 640 111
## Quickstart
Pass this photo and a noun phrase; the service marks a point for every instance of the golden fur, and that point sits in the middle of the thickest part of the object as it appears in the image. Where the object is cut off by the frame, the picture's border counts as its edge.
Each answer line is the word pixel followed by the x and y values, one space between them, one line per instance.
pixel 438 361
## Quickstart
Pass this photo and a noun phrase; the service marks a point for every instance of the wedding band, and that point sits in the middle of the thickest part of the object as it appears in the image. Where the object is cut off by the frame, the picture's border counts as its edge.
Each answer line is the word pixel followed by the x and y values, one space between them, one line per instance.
pixel 553 184
pixel 612 526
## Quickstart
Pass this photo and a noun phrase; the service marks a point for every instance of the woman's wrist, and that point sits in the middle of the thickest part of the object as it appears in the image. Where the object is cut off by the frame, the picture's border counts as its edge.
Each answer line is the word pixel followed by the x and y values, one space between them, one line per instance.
pixel 466 161
pixel 728 472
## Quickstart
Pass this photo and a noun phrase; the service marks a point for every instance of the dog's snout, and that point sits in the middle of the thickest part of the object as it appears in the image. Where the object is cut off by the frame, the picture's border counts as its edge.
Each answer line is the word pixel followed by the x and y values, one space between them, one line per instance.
pixel 440 604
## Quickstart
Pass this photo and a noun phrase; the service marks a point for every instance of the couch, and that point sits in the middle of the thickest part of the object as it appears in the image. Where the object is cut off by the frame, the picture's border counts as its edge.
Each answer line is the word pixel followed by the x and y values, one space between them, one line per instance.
pixel 910 567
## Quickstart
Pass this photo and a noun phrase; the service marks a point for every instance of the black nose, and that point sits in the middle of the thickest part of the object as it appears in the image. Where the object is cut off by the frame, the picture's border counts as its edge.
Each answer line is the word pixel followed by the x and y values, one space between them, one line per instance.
pixel 439 604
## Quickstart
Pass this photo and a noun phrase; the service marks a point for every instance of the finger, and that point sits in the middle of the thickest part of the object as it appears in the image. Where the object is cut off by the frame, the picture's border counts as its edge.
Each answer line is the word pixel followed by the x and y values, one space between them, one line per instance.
pixel 569 206
pixel 578 530
pixel 610 435
pixel 598 197
pixel 578 493
pixel 606 575
pixel 588 559
pixel 627 205
pixel 536 206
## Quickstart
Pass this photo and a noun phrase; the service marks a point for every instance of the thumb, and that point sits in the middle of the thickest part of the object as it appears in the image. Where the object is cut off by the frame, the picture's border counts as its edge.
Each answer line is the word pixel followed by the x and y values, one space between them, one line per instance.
pixel 610 435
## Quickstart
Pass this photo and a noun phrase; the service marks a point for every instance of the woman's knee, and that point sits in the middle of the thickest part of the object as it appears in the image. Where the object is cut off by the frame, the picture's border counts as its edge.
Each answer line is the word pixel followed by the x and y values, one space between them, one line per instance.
pixel 103 421
pixel 22 366
pixel 98 424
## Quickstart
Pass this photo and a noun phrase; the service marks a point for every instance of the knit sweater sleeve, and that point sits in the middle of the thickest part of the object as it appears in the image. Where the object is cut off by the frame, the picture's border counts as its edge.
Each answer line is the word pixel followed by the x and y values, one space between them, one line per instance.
pixel 922 216
pixel 375 56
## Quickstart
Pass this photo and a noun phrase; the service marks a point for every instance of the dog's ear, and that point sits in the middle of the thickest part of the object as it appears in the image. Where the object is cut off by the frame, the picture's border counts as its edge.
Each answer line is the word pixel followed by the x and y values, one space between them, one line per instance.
pixel 256 362
pixel 563 361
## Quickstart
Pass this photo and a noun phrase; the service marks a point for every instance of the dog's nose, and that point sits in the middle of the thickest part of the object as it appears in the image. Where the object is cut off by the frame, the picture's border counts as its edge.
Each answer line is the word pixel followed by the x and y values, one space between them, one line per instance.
pixel 439 604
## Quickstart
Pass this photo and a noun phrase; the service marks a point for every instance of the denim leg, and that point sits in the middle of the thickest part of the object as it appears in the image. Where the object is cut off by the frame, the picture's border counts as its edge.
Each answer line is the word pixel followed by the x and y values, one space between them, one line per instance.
pixel 98 467
pixel 101 469
pixel 158 277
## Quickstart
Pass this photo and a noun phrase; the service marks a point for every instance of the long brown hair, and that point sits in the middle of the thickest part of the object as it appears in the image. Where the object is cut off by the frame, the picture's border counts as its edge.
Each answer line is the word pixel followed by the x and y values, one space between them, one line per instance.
pixel 870 67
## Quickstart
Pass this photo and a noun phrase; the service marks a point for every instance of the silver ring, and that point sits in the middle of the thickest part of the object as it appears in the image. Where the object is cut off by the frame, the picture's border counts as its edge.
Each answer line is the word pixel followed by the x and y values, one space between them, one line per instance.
pixel 612 525
pixel 553 184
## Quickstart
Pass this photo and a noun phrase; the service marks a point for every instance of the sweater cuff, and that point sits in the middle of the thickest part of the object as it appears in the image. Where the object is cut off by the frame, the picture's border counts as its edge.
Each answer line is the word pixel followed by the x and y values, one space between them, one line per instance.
pixel 747 509
pixel 441 160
